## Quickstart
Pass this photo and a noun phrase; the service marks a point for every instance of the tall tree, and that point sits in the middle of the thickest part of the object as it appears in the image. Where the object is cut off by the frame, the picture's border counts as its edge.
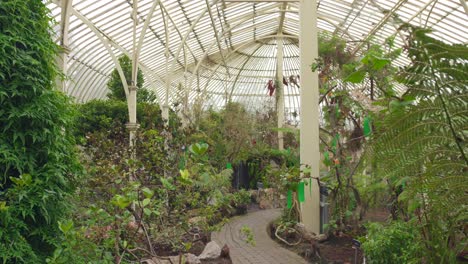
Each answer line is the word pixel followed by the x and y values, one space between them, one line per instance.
pixel 116 88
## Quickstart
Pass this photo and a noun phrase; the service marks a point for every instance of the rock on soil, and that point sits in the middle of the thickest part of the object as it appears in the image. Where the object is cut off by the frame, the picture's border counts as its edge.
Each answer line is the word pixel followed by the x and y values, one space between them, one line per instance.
pixel 211 251
pixel 192 259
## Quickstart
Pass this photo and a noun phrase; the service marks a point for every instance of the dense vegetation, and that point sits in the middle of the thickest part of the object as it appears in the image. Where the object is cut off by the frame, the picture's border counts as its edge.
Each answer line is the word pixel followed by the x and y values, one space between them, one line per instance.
pixel 38 162
pixel 421 150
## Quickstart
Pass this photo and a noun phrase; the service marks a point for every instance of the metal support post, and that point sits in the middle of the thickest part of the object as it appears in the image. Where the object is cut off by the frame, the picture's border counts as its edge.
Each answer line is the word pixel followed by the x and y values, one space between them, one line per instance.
pixel 280 91
pixel 310 155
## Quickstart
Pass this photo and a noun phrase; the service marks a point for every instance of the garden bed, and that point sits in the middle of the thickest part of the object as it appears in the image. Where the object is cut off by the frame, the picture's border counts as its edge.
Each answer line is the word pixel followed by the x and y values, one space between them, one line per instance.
pixel 333 250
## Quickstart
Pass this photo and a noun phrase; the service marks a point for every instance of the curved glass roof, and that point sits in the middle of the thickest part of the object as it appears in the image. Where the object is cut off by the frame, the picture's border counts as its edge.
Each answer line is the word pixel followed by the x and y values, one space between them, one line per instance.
pixel 220 48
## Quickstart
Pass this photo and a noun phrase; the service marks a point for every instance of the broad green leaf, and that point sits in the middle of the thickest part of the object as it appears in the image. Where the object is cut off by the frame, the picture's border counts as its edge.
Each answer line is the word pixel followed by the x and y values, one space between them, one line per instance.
pixel 65 226
pixel 120 201
pixel 147 211
pixel 184 174
pixel 3 206
pixel 198 149
pixel 379 63
pixel 168 185
pixel 367 126
pixel 147 192
pixel 22 180
pixel 146 201
pixel 356 77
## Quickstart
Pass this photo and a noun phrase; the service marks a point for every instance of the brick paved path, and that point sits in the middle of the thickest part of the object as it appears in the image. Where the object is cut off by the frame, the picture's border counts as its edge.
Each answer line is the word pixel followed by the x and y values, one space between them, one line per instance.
pixel 266 251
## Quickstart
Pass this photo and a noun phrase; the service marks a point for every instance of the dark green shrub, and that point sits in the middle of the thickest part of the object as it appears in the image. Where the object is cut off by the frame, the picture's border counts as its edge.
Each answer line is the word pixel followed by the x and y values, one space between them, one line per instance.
pixel 105 115
pixel 37 156
pixel 117 91
pixel 396 243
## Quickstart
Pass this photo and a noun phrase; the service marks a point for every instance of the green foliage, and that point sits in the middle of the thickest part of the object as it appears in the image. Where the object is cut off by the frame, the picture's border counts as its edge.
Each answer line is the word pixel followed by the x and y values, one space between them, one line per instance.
pixel 421 150
pixel 372 63
pixel 104 115
pixel 117 91
pixel 266 165
pixel 126 202
pixel 396 243
pixel 248 235
pixel 37 155
pixel 228 132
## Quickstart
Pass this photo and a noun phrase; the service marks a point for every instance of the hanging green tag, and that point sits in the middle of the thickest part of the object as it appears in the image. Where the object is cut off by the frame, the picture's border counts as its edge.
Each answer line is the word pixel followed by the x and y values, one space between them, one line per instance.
pixel 326 159
pixel 289 199
pixel 367 126
pixel 300 192
pixel 229 166
pixel 335 142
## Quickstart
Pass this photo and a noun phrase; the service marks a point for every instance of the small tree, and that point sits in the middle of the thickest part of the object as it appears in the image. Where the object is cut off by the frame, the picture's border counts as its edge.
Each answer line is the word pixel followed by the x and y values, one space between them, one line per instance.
pixel 117 91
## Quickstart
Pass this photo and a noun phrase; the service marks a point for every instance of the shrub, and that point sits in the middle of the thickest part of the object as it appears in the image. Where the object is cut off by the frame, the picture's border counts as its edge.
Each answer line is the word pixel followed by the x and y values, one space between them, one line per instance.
pixel 396 243
pixel 104 115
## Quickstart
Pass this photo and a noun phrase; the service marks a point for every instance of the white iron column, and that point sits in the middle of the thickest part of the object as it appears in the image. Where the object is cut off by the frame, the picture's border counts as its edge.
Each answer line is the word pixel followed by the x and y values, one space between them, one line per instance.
pixel 310 209
pixel 132 125
pixel 62 56
pixel 280 90
pixel 62 62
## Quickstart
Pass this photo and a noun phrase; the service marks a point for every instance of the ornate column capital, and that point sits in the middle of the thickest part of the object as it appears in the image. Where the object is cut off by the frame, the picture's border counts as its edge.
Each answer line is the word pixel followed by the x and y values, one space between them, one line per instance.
pixel 132 127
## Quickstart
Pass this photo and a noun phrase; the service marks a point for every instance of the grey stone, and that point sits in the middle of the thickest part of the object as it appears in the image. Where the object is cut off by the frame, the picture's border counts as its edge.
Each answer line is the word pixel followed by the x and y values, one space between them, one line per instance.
pixel 212 251
pixel 191 259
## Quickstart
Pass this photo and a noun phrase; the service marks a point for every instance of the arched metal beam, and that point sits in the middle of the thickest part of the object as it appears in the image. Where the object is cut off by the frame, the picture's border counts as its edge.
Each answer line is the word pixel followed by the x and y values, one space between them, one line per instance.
pixel 195 71
pixel 137 49
pixel 380 24
pixel 242 46
pixel 225 31
pixel 217 37
pixel 184 40
pixel 106 43
pixel 465 7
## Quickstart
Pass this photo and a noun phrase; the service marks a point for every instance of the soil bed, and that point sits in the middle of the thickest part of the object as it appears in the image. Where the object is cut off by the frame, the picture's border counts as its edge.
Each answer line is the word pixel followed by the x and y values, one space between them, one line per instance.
pixel 334 250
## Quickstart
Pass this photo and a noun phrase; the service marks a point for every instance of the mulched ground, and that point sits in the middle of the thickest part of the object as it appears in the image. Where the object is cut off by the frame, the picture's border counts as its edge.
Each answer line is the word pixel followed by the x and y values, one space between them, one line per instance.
pixel 336 249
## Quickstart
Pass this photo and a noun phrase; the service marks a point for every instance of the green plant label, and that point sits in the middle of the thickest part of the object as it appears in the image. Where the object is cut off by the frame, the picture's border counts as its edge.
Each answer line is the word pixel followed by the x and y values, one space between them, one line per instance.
pixel 367 126
pixel 229 166
pixel 300 192
pixel 289 199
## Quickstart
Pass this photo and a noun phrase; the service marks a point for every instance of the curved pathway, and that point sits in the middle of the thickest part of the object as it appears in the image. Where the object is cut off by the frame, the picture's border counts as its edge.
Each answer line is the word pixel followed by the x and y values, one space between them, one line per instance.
pixel 266 251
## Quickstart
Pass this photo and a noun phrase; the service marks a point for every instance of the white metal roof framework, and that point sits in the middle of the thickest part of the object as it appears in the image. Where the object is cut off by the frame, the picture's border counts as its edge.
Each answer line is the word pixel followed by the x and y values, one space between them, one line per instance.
pixel 223 48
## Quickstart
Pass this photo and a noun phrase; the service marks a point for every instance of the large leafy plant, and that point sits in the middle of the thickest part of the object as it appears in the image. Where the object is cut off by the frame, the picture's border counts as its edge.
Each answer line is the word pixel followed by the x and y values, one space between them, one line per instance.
pixel 349 87
pixel 421 151
pixel 37 156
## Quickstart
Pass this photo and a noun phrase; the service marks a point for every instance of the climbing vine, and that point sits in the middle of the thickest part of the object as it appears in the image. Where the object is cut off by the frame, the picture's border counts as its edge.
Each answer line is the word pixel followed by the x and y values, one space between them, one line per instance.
pixel 37 156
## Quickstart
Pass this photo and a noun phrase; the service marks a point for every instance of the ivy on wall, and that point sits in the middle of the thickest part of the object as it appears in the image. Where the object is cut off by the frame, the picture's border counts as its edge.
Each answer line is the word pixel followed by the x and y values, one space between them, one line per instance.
pixel 37 157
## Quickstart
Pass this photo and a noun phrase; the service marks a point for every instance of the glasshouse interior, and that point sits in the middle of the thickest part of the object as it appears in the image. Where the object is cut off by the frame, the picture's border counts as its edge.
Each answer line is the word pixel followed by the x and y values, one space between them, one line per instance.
pixel 233 131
